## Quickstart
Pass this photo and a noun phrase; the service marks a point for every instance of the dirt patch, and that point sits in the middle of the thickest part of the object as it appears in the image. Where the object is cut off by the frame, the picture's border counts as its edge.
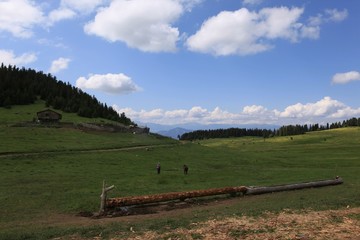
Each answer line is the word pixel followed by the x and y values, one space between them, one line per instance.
pixel 300 225
pixel 161 207
pixel 331 224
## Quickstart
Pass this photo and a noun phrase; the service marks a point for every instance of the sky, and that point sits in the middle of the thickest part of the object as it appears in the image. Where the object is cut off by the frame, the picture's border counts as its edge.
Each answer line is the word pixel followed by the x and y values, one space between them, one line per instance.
pixel 196 61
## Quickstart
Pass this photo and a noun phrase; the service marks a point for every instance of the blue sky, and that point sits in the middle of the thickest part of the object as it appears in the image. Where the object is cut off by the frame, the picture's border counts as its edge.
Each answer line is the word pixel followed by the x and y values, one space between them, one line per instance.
pixel 205 61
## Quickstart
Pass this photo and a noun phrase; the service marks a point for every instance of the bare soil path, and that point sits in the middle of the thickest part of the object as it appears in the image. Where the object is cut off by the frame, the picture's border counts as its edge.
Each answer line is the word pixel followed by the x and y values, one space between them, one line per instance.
pixel 288 224
pixel 19 154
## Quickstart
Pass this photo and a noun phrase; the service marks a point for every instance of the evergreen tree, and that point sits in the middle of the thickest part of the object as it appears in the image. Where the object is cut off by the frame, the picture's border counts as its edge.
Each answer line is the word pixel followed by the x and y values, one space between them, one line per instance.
pixel 24 86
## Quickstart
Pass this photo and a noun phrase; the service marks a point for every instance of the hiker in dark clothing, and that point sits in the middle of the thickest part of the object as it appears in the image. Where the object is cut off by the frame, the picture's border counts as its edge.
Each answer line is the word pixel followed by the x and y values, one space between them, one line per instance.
pixel 186 169
pixel 158 168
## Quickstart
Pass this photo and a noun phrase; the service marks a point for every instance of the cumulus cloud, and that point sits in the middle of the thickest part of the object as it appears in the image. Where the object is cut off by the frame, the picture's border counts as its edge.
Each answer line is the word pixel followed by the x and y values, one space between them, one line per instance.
pixel 27 15
pixel 324 107
pixel 343 78
pixel 82 6
pixel 8 57
pixel 109 83
pixel 60 14
pixel 69 9
pixel 322 111
pixel 254 109
pixel 59 64
pixel 30 14
pixel 141 24
pixel 245 32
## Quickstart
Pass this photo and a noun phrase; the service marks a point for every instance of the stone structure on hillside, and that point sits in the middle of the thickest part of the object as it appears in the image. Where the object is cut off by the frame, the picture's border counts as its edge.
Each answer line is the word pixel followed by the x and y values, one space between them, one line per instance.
pixel 48 116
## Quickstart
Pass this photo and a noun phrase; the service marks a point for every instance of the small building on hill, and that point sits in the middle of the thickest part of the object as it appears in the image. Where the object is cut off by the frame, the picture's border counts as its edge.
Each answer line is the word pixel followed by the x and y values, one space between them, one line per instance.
pixel 48 116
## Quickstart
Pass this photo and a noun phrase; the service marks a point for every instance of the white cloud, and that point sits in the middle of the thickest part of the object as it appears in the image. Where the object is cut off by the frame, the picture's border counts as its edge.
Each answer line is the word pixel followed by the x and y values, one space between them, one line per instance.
pixel 324 107
pixel 189 4
pixel 82 6
pixel 8 57
pixel 59 64
pixel 329 15
pixel 70 9
pixel 110 83
pixel 141 24
pixel 27 15
pixel 60 14
pixel 322 111
pixel 254 109
pixel 198 112
pixel 245 32
pixel 343 78
pixel 252 2
pixel 335 15
pixel 52 43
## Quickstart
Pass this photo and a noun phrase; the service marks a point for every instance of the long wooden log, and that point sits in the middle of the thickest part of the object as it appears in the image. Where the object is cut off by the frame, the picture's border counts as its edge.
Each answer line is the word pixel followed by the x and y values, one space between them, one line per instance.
pixel 128 201
pixel 287 187
pixel 138 200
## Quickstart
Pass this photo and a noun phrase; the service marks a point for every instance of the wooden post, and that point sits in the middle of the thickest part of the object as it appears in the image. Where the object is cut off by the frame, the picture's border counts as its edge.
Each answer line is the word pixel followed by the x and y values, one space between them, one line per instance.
pixel 103 197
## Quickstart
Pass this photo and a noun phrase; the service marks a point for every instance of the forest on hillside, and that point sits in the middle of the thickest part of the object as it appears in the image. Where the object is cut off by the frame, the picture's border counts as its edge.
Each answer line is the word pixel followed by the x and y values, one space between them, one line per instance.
pixel 287 130
pixel 20 86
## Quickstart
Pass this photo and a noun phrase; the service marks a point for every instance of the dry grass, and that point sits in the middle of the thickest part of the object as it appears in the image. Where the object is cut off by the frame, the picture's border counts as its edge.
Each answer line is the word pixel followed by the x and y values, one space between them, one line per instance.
pixel 330 224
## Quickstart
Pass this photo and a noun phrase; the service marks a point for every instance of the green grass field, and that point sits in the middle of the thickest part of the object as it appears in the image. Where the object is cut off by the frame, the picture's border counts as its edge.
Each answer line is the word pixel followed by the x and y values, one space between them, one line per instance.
pixel 66 173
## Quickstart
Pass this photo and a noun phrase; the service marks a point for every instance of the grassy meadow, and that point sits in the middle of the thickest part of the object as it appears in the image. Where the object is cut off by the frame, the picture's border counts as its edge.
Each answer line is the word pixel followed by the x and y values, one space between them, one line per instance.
pixel 63 175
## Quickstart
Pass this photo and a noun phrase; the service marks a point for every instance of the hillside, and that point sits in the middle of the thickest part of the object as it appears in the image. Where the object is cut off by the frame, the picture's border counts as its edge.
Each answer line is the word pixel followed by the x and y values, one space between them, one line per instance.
pixel 72 133
pixel 26 86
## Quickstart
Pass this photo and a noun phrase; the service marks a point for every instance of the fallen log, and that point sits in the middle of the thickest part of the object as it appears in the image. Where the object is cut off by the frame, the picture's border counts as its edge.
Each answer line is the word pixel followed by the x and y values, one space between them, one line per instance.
pixel 164 197
pixel 296 186
pixel 137 200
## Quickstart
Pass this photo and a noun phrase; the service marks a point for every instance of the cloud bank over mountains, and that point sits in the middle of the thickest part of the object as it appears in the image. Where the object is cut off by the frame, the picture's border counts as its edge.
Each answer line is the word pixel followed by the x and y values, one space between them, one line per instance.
pixel 322 111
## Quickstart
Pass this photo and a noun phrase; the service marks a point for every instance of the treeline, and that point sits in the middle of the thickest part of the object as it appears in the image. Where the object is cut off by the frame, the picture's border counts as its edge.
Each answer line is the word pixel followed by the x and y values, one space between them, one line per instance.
pixel 25 86
pixel 301 129
pixel 288 130
pixel 226 133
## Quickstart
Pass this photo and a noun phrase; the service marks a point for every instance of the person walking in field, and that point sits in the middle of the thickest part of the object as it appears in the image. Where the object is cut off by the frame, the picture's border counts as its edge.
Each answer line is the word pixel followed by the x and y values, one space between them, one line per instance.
pixel 186 169
pixel 158 167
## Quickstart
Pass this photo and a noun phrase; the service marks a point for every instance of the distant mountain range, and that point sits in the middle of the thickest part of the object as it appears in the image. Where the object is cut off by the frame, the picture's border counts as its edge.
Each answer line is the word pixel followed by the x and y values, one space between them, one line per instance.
pixel 174 131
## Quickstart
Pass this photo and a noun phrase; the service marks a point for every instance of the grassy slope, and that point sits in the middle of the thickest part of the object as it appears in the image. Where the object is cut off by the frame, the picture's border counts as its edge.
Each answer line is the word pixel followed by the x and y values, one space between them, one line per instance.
pixel 29 139
pixel 35 186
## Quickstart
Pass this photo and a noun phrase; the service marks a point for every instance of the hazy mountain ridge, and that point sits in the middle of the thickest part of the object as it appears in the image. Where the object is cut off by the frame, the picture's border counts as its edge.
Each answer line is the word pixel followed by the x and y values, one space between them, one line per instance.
pixel 178 129
pixel 174 132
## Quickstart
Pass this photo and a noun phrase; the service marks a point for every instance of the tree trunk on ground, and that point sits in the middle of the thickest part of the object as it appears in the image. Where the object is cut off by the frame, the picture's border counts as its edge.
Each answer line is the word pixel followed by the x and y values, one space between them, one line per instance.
pixel 138 200
pixel 262 190
pixel 128 201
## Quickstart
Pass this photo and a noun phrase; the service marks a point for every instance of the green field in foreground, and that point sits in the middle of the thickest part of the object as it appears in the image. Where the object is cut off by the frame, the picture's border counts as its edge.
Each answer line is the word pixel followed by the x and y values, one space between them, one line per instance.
pixel 62 179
